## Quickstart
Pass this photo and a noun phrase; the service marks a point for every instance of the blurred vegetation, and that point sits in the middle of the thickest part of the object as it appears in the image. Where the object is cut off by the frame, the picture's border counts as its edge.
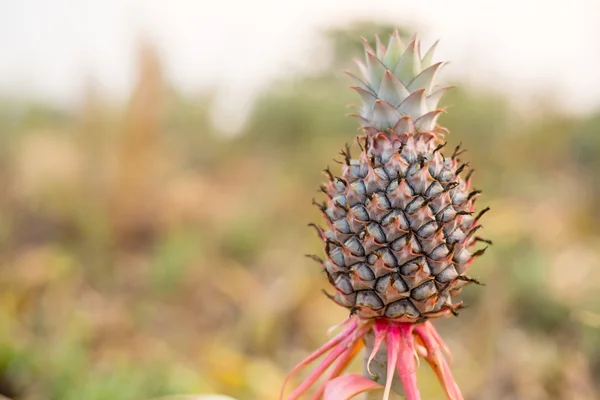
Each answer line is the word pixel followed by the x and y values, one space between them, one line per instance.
pixel 144 254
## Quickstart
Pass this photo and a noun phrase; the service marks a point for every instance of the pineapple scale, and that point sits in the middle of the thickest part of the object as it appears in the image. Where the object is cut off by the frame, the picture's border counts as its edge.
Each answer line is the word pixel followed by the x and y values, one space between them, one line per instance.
pixel 400 218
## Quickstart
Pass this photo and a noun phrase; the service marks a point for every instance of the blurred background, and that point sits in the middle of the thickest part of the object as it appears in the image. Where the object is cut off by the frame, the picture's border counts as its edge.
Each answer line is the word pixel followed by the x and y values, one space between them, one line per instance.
pixel 158 161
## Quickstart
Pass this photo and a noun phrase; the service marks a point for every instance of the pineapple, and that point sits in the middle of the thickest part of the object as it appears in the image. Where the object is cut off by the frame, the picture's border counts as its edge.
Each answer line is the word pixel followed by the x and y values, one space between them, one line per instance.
pixel 401 225
pixel 400 218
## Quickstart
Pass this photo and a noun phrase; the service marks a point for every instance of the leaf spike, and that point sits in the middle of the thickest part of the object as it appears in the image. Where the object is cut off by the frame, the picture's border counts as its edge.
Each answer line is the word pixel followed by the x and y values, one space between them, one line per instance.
pixel 473 230
pixel 451 186
pixel 327 172
pixel 314 258
pixel 359 143
pixel 320 206
pixel 480 239
pixel 345 152
pixel 456 151
pixel 461 168
pixel 468 177
pixel 323 189
pixel 439 147
pixel 481 213
pixel 453 309
pixel 467 278
pixel 479 253
pixel 473 193
pixel 318 229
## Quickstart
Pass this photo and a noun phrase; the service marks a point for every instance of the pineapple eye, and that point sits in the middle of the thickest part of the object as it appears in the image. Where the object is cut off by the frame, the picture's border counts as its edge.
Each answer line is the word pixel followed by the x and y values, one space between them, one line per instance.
pixel 447 214
pixel 447 275
pixel 382 284
pixel 380 172
pixel 375 230
pixel 382 201
pixel 424 291
pixel 388 258
pixel 393 185
pixel 408 190
pixel 342 282
pixel 462 256
pixel 396 215
pixel 329 267
pixel 339 200
pixel 363 168
pixel 354 246
pixel 359 187
pixel 439 252
pixel 339 185
pixel 413 170
pixel 391 171
pixel 360 213
pixel 399 243
pixel 354 171
pixel 364 272
pixel 428 229
pixel 372 259
pixel 399 284
pixel 411 267
pixel 434 189
pixel 401 308
pixel 415 205
pixel 415 245
pixel 410 155
pixel 456 236
pixel 434 169
pixel 368 298
pixel 446 176
pixel 336 256
pixel 342 226
pixel 459 197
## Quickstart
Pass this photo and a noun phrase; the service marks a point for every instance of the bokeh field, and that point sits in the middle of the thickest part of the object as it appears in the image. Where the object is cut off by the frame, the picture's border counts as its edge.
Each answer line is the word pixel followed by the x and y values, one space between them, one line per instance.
pixel 143 253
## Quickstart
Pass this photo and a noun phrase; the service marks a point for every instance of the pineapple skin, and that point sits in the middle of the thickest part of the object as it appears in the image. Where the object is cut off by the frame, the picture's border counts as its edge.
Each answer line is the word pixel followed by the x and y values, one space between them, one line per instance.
pixel 400 219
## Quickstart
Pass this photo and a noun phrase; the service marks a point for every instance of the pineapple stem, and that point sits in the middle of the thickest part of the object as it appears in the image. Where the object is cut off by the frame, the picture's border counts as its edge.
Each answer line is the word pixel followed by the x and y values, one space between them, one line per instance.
pixel 378 367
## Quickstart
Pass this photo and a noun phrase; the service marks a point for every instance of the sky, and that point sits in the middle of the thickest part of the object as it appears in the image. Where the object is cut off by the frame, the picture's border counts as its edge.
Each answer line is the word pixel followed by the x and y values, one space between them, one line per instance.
pixel 50 50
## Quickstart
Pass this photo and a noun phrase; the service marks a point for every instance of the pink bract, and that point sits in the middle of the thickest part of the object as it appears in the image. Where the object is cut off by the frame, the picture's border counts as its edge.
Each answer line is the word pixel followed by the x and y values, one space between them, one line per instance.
pixel 405 342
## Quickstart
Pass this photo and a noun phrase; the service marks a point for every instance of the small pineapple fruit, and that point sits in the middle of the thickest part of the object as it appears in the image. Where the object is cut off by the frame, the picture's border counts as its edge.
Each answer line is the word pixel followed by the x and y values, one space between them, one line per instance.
pixel 401 224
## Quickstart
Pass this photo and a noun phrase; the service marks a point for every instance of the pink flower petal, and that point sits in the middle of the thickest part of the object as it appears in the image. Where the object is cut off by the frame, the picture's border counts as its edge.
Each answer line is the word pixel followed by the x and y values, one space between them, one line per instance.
pixel 316 374
pixel 347 342
pixel 347 386
pixel 340 366
pixel 335 327
pixel 434 333
pixel 322 350
pixel 392 348
pixel 380 334
pixel 436 360
pixel 402 341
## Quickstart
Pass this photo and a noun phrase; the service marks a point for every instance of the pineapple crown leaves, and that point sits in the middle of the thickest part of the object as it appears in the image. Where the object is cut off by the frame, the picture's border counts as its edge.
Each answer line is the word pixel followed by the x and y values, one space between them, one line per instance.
pixel 398 85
